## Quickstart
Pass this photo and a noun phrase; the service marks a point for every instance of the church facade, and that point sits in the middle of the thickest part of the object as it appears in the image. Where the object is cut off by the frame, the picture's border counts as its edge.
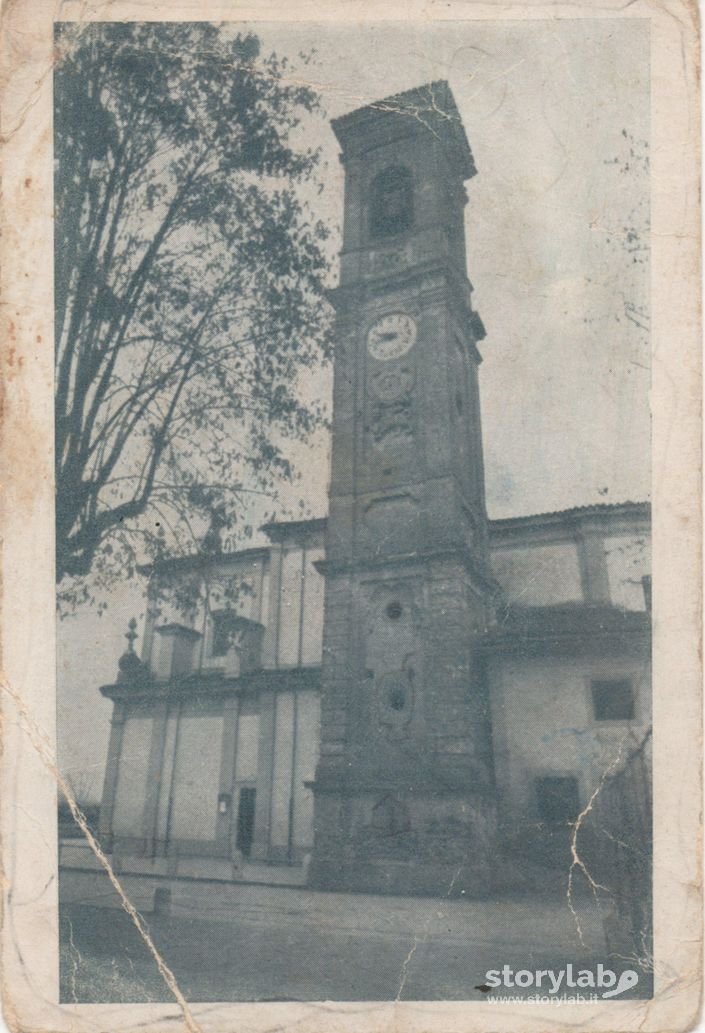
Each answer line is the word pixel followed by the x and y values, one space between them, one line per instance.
pixel 396 697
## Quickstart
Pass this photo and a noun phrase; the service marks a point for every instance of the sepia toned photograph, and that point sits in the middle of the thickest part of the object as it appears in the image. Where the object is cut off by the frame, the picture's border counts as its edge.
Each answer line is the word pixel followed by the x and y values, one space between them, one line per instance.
pixel 353 482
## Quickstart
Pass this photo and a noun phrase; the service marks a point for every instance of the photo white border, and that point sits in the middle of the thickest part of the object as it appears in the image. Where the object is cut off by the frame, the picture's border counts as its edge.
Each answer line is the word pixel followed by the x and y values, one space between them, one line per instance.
pixel 28 803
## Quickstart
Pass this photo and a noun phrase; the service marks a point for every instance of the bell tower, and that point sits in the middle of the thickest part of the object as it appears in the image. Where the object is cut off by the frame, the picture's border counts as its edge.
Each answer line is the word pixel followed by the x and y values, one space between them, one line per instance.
pixel 404 796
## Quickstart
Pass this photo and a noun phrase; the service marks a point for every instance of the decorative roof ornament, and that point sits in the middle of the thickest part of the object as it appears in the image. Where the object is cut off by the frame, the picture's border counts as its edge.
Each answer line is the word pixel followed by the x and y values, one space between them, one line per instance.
pixel 130 667
pixel 212 540
pixel 131 635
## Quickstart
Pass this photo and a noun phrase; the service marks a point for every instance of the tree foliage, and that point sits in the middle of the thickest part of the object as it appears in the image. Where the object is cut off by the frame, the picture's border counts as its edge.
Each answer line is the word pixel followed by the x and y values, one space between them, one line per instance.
pixel 189 286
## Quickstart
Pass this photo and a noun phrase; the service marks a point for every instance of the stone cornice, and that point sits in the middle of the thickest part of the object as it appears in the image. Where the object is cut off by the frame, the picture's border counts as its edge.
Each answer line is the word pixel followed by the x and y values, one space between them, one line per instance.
pixel 427 110
pixel 209 685
pixel 478 572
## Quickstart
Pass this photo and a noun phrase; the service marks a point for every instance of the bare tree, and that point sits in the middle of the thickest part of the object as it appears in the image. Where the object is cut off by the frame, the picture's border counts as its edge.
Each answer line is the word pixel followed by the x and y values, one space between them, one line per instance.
pixel 189 285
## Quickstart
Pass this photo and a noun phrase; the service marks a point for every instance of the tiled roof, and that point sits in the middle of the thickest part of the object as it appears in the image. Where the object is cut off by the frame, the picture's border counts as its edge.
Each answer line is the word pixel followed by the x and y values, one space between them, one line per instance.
pixel 277 530
pixel 635 509
pixel 568 628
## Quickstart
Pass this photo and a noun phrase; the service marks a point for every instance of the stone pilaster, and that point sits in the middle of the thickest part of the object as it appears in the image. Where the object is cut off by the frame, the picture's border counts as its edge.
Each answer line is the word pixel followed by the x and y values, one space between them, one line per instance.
pixel 265 775
pixel 270 643
pixel 154 777
pixel 224 819
pixel 337 672
pixel 593 564
pixel 112 768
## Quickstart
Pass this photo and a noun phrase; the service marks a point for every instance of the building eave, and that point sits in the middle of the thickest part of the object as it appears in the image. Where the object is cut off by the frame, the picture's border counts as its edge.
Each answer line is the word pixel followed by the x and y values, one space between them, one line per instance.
pixel 202 561
pixel 600 511
pixel 209 684
pixel 570 630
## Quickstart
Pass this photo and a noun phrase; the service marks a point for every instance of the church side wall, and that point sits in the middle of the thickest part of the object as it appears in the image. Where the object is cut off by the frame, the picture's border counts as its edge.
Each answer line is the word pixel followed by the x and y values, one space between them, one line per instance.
pixel 196 773
pixel 308 739
pixel 538 575
pixel 165 779
pixel 283 592
pixel 628 563
pixel 282 778
pixel 295 754
pixel 544 725
pixel 592 566
pixel 290 601
pixel 312 648
pixel 133 766
pixel 299 615
pixel 183 767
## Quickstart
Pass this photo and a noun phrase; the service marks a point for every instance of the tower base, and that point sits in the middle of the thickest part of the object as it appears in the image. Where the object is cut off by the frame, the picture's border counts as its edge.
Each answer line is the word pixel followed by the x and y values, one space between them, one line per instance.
pixel 405 844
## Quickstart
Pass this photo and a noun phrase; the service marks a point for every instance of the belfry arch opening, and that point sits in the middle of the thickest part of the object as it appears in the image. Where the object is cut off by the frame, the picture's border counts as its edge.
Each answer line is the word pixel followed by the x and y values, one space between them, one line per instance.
pixel 391 202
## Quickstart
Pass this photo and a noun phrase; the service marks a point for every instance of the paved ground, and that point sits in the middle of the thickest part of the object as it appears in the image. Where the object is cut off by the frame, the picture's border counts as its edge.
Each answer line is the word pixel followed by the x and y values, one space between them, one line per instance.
pixel 255 943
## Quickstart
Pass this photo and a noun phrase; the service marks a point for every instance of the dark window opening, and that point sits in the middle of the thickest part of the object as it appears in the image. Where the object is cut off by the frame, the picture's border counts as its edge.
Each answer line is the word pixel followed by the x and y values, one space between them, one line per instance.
pixel 646 588
pixel 392 204
pixel 397 699
pixel 246 820
pixel 223 628
pixel 557 797
pixel 613 700
pixel 394 611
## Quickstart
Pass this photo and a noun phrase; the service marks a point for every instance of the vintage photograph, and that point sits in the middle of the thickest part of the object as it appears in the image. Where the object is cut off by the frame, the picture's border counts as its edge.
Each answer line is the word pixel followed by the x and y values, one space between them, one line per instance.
pixel 353 510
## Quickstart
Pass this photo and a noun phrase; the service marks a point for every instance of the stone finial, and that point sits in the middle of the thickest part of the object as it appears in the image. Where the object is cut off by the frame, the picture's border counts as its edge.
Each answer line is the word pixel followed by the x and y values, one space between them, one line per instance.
pixel 131 635
pixel 212 539
pixel 130 667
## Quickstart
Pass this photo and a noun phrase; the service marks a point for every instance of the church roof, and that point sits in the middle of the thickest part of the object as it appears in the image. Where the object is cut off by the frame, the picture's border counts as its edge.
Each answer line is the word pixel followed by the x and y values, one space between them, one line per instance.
pixel 279 531
pixel 613 513
pixel 633 509
pixel 568 629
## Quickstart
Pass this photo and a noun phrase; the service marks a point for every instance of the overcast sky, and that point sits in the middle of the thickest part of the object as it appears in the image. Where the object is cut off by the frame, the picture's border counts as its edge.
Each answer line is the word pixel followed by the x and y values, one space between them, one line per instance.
pixel 558 120
pixel 545 107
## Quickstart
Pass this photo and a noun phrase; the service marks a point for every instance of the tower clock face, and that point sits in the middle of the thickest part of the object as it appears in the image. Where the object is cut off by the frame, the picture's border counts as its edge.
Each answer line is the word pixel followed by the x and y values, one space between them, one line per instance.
pixel 391 336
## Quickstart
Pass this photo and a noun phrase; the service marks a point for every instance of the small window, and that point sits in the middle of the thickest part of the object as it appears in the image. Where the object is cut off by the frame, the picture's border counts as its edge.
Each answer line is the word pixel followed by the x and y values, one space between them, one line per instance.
pixel 392 202
pixel 613 700
pixel 557 799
